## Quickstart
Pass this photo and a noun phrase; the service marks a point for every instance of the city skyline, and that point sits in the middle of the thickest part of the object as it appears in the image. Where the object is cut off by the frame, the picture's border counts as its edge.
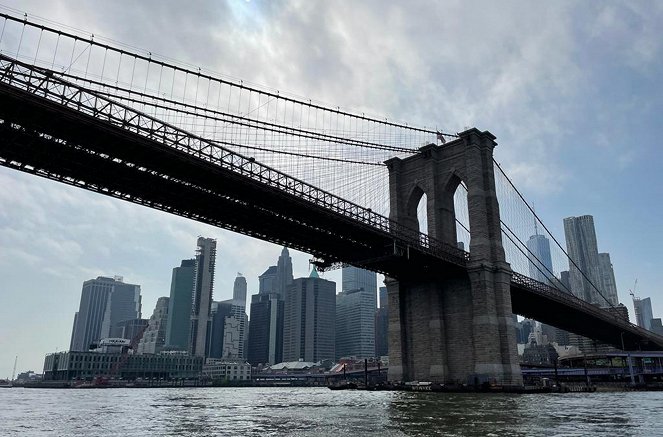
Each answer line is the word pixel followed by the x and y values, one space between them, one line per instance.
pixel 561 173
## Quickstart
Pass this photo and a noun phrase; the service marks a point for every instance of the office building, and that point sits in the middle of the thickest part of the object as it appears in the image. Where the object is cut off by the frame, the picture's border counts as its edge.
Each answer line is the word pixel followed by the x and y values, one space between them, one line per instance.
pixel 539 259
pixel 355 314
pixel 584 271
pixel 178 329
pixel 203 287
pixel 154 337
pixel 99 310
pixel 220 310
pixel 277 279
pixel 266 334
pixel 608 283
pixel 308 325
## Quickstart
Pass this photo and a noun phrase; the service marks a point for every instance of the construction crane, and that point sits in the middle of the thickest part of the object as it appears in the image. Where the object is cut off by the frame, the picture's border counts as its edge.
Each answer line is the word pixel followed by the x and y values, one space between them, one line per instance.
pixel 636 304
pixel 632 291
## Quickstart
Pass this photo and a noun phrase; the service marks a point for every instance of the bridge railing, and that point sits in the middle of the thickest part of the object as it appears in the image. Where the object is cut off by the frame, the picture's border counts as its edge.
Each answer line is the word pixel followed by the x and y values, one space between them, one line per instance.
pixel 47 84
pixel 541 288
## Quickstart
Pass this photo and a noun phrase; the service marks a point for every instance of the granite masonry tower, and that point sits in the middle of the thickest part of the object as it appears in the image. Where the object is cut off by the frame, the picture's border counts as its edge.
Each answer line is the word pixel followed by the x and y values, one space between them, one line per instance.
pixel 452 327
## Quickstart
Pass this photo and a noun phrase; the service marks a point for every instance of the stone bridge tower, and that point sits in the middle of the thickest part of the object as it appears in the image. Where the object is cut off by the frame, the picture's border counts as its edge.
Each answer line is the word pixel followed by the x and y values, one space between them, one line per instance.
pixel 454 327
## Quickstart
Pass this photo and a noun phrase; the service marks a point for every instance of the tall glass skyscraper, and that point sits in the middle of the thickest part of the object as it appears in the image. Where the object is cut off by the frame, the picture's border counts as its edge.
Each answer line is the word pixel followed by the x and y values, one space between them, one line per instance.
pixel 643 312
pixel 540 261
pixel 582 248
pixel 608 283
pixel 178 330
pixel 203 287
pixel 355 314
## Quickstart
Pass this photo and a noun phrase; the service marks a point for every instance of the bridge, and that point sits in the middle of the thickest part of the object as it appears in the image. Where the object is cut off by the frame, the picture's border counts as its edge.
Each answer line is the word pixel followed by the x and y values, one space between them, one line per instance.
pixel 342 186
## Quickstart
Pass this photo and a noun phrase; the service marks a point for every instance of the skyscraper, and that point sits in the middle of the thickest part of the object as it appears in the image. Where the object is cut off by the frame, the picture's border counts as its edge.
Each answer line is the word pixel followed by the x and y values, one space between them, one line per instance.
pixel 643 312
pixel 154 337
pixel 124 304
pixel 266 334
pixel 582 248
pixel 608 283
pixel 308 326
pixel 203 287
pixel 220 310
pixel 355 314
pixel 179 306
pixel 265 339
pixel 540 261
pixel 235 324
pixel 382 325
pixel 98 311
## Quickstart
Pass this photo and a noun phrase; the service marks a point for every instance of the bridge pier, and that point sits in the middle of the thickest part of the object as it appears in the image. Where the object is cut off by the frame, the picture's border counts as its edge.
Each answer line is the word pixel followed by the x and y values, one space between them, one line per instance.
pixel 452 327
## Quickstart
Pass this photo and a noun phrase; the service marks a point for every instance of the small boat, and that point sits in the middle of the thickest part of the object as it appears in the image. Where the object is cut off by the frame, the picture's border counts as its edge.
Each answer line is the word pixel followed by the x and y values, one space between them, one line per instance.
pixel 5 383
pixel 343 386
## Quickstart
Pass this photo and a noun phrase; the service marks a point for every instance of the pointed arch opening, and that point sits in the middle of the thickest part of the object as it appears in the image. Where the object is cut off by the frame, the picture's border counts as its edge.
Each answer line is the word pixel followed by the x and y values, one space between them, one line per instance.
pixel 462 217
pixel 422 214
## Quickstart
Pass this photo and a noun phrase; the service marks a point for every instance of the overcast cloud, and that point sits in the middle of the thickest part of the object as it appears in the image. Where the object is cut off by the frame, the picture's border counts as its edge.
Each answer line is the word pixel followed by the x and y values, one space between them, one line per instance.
pixel 572 90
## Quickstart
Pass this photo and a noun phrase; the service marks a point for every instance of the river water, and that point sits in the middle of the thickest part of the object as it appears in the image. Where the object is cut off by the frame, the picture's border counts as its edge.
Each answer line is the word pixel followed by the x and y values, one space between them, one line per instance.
pixel 322 412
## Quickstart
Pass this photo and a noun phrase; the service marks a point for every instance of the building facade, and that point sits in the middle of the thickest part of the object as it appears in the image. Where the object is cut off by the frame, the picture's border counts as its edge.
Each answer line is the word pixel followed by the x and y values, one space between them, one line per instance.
pixel 154 337
pixel 539 259
pixel 643 312
pixel 203 287
pixel 309 325
pixel 608 283
pixel 99 310
pixel 355 314
pixel 582 247
pixel 382 325
pixel 226 370
pixel 266 334
pixel 178 329
pixel 65 366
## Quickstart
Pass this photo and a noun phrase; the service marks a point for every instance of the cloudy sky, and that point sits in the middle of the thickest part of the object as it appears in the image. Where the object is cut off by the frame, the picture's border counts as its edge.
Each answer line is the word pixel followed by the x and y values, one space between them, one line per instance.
pixel 572 90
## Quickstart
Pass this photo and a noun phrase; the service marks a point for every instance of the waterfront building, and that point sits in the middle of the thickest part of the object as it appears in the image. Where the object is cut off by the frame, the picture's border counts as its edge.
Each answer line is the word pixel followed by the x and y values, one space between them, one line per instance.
pixel 266 334
pixel 154 337
pixel 178 328
pixel 643 312
pixel 99 310
pixel 539 259
pixel 355 314
pixel 65 366
pixel 219 369
pixel 308 325
pixel 608 284
pixel 582 247
pixel 203 287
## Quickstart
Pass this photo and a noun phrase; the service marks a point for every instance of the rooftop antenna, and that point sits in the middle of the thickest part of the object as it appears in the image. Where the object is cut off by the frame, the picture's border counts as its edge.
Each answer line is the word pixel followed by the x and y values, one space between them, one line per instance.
pixel 536 225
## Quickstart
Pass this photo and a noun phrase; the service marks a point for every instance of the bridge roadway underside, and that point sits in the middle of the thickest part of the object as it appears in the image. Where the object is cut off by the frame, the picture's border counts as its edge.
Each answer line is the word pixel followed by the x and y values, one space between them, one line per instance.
pixel 44 138
pixel 560 313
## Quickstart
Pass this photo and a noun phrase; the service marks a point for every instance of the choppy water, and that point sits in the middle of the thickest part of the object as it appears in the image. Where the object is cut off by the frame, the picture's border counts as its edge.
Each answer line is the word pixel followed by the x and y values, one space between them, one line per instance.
pixel 322 412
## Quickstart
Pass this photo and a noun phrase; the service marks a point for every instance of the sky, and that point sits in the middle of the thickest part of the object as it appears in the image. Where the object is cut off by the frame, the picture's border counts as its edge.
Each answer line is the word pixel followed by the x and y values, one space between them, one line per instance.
pixel 572 91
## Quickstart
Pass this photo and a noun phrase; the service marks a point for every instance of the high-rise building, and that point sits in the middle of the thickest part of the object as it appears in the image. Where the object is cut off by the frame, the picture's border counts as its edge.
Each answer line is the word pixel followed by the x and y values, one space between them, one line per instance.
pixel 220 310
pixel 382 325
pixel 643 312
pixel 582 248
pixel 235 324
pixel 203 287
pixel 265 339
pixel 123 304
pixel 540 261
pixel 355 314
pixel 266 334
pixel 99 310
pixel 608 283
pixel 308 326
pixel 154 337
pixel 178 329
pixel 73 332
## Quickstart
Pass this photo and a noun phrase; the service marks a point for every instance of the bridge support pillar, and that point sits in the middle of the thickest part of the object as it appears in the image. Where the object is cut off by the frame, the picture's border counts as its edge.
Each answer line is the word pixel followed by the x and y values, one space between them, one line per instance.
pixel 452 327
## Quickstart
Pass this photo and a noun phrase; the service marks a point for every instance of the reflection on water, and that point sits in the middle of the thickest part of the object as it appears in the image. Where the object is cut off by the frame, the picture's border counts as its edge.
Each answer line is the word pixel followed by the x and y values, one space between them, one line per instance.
pixel 320 412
